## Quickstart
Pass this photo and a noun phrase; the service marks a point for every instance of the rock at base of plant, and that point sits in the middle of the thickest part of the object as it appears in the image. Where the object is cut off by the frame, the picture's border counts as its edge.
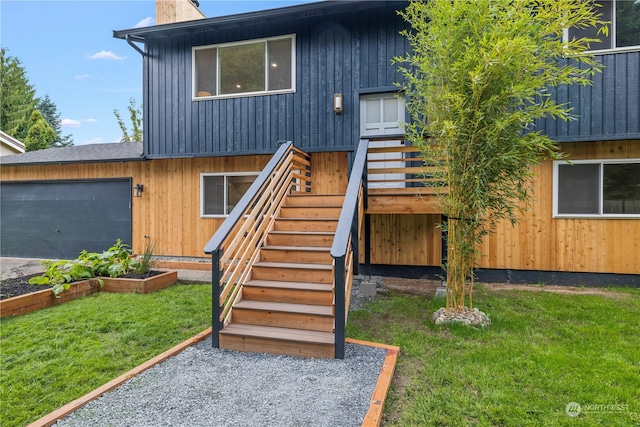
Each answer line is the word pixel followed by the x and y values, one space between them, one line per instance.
pixel 465 316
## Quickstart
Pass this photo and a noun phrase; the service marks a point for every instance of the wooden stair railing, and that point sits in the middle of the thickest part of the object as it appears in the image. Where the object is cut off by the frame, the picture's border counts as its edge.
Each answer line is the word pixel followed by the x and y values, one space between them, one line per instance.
pixel 344 249
pixel 235 246
pixel 287 304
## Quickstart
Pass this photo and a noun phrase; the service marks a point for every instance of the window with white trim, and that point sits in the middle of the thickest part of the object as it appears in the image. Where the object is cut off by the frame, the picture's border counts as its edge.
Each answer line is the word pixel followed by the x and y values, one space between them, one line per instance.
pixel 220 192
pixel 603 188
pixel 249 68
pixel 624 25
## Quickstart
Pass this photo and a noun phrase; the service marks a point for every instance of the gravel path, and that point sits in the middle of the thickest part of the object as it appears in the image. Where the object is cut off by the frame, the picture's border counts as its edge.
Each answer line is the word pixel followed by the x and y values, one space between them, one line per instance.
pixel 203 386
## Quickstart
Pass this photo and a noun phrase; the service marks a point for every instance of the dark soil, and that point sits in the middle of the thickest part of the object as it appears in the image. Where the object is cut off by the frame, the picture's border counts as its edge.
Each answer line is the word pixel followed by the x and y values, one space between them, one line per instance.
pixel 17 286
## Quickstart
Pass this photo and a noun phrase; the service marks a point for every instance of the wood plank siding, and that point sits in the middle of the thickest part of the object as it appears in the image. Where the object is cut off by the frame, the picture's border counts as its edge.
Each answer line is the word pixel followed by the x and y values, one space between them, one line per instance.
pixel 169 210
pixel 541 242
pixel 609 109
pixel 537 242
pixel 346 53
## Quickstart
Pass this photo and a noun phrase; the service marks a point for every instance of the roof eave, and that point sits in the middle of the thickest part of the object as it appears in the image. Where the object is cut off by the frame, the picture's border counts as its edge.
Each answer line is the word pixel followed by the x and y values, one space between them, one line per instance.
pixel 309 10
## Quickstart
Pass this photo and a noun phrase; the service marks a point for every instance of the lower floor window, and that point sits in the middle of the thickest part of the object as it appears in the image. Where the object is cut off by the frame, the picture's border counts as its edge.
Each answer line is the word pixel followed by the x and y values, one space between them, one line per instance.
pixel 221 192
pixel 597 188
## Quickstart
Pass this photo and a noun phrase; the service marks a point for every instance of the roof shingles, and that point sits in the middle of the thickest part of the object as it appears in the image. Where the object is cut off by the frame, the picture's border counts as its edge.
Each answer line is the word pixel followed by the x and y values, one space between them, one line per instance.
pixel 110 152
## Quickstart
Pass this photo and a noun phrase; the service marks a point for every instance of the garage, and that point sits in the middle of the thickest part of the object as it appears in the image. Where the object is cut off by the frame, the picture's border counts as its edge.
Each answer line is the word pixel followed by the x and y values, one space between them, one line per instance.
pixel 58 219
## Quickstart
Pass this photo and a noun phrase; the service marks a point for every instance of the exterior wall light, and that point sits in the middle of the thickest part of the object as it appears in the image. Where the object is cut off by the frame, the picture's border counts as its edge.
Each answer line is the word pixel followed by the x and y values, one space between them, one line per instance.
pixel 137 190
pixel 337 103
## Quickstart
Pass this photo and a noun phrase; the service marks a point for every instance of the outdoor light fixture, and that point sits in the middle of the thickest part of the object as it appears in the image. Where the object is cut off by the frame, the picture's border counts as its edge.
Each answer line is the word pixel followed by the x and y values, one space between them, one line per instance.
pixel 337 103
pixel 137 190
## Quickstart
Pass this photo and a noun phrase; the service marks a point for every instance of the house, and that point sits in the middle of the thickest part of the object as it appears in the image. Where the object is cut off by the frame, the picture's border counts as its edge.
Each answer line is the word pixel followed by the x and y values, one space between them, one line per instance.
pixel 222 95
pixel 9 145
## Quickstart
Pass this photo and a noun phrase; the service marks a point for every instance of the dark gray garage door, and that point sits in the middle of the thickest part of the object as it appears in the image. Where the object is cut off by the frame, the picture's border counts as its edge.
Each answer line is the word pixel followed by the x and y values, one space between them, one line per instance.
pixel 59 219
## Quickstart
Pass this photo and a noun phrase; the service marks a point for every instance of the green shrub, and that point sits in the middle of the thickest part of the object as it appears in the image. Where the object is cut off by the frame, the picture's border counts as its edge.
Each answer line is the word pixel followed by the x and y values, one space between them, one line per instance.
pixel 115 261
pixel 59 274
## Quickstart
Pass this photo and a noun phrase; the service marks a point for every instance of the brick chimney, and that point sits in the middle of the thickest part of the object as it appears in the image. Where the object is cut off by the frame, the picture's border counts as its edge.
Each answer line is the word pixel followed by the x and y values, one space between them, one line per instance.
pixel 168 11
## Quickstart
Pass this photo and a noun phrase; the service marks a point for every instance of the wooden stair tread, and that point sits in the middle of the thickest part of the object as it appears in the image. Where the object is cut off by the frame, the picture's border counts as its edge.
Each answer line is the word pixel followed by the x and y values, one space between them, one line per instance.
pixel 293 265
pixel 322 310
pixel 290 285
pixel 272 332
pixel 298 248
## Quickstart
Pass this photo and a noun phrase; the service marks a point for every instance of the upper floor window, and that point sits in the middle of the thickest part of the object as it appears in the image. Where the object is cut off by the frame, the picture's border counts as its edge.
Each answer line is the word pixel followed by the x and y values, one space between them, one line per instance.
pixel 248 68
pixel 607 188
pixel 624 27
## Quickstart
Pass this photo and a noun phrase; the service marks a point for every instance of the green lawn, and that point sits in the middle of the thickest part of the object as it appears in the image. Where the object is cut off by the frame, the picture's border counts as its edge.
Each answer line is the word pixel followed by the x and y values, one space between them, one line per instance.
pixel 53 356
pixel 542 351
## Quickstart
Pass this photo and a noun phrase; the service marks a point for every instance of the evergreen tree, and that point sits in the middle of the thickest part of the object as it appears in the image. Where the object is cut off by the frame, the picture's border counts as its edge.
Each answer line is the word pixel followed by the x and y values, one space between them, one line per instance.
pixel 50 113
pixel 40 134
pixel 17 100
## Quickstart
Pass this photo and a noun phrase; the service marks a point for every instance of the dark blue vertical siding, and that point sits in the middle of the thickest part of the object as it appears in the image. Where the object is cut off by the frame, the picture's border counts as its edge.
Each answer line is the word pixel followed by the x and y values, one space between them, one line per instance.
pixel 348 54
pixel 605 110
pixel 336 54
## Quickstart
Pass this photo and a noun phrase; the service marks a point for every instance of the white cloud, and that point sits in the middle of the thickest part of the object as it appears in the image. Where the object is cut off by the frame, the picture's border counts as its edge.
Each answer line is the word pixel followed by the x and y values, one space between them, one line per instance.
pixel 89 120
pixel 108 55
pixel 81 76
pixel 145 22
pixel 70 123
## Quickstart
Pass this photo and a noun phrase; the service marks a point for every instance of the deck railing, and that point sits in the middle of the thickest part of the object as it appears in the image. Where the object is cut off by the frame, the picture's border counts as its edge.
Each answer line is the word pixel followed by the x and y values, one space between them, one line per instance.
pixel 344 249
pixel 236 244
pixel 401 170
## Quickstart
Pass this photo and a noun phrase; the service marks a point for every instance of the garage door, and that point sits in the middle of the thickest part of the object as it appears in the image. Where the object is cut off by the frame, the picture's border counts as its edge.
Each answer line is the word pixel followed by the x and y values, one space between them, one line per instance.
pixel 59 219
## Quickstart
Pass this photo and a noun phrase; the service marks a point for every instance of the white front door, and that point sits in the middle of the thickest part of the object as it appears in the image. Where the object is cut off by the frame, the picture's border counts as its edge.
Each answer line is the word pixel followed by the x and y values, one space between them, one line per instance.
pixel 380 115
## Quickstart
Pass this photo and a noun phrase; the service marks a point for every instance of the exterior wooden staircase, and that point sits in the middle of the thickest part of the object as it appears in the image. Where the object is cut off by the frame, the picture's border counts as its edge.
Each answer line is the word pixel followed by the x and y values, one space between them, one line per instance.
pixel 283 261
pixel 287 305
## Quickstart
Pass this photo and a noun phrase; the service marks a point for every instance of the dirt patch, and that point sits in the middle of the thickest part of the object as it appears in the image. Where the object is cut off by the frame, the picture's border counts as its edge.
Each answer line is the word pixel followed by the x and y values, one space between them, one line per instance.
pixel 422 287
pixel 556 289
pixel 427 288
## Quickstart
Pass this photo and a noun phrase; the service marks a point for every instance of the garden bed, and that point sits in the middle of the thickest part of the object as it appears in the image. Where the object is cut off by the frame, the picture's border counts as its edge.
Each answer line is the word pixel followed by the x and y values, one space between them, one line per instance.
pixel 29 298
pixel 152 282
pixel 28 302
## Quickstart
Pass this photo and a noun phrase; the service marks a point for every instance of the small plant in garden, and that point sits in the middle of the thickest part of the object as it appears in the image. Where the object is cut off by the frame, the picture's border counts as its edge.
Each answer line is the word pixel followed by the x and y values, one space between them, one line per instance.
pixel 145 262
pixel 59 274
pixel 115 261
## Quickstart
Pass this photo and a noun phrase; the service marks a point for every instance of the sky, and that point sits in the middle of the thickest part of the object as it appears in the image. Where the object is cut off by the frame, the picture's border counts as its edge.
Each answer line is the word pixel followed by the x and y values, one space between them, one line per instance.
pixel 68 51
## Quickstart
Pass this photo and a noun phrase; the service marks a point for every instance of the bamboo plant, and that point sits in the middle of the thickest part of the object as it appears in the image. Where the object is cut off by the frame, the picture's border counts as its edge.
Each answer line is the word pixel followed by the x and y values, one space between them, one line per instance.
pixel 476 81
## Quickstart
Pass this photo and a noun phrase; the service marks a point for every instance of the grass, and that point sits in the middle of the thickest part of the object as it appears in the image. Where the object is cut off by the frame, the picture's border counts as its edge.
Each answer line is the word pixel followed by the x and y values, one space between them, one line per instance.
pixel 542 351
pixel 53 356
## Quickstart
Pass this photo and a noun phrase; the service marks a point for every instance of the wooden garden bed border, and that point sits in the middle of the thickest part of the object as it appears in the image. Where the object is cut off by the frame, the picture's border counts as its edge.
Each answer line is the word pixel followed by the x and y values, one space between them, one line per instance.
pixel 372 417
pixel 23 304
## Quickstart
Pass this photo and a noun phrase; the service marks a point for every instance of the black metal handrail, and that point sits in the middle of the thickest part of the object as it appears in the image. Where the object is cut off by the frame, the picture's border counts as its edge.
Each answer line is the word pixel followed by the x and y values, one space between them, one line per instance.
pixel 344 249
pixel 225 229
